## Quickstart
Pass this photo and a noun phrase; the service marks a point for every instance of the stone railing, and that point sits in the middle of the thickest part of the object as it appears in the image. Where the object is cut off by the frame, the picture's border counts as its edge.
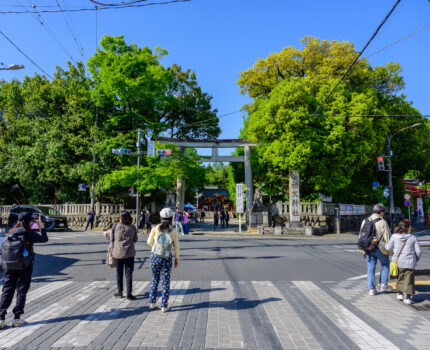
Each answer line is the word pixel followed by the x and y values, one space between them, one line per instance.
pixel 79 209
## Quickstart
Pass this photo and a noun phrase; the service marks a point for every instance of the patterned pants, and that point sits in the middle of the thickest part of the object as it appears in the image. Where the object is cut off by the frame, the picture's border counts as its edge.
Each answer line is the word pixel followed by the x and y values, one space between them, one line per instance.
pixel 160 266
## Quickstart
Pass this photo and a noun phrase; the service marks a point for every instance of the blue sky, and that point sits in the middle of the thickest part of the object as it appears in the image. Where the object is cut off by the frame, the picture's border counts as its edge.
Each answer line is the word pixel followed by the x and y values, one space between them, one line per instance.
pixel 219 38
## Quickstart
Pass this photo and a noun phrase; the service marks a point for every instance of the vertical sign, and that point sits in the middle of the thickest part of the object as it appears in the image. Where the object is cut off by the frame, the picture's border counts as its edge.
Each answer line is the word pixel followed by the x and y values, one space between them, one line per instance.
pixel 151 148
pixel 239 198
pixel 295 208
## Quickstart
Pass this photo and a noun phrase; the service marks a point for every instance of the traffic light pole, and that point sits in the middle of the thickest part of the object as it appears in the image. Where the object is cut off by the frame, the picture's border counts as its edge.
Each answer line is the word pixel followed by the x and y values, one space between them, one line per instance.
pixel 390 182
pixel 139 131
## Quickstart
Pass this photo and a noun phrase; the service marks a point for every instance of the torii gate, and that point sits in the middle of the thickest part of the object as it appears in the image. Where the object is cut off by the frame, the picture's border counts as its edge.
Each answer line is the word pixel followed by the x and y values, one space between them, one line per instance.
pixel 215 144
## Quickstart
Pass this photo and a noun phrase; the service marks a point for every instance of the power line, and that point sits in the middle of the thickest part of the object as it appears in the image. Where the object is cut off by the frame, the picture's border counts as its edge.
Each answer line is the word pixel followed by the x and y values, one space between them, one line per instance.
pixel 93 9
pixel 7 38
pixel 117 4
pixel 359 55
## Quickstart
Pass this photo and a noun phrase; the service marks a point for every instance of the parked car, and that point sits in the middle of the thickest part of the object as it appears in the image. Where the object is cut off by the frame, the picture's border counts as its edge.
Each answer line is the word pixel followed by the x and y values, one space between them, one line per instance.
pixel 52 219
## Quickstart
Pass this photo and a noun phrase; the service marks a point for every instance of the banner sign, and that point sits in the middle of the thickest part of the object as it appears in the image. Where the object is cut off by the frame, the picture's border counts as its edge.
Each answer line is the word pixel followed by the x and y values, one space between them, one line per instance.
pixel 239 198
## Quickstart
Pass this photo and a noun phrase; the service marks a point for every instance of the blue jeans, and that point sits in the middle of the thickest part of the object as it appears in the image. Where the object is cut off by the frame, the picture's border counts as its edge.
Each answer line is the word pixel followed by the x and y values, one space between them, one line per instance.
pixel 372 259
pixel 179 227
pixel 186 228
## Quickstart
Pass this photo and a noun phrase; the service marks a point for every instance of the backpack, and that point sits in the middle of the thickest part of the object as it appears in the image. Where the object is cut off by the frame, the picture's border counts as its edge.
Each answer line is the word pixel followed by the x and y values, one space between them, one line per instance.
pixel 15 253
pixel 367 236
pixel 163 245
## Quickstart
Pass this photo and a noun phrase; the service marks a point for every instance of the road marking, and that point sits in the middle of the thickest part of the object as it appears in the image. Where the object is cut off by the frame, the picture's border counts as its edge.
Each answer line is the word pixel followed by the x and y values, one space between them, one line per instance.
pixel 157 326
pixel 360 277
pixel 47 288
pixel 86 331
pixel 349 323
pixel 286 327
pixel 223 326
pixel 12 336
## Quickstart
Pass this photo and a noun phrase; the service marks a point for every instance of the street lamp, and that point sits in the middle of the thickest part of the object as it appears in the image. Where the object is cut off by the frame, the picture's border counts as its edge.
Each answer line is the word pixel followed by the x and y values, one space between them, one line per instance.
pixel 13 67
pixel 390 173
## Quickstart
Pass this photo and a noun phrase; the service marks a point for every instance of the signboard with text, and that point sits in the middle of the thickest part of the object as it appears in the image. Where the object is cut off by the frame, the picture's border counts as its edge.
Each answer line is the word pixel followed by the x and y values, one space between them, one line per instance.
pixel 239 198
pixel 346 209
pixel 295 207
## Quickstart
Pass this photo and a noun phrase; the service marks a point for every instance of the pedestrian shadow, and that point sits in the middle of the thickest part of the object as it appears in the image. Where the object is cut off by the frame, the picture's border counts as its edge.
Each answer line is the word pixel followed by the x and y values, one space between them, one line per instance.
pixel 235 304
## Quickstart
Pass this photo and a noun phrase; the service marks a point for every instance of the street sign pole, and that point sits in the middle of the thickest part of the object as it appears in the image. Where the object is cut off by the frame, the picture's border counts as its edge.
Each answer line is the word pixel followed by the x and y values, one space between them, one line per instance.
pixel 239 203
pixel 409 213
pixel 138 167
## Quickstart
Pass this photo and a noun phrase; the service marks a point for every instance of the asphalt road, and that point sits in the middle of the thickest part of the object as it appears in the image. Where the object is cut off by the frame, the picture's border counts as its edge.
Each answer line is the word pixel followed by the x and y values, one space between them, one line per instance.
pixel 80 256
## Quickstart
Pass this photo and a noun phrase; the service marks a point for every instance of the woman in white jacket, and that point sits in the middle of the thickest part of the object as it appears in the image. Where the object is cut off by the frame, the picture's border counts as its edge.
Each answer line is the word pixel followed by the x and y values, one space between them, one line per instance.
pixel 407 252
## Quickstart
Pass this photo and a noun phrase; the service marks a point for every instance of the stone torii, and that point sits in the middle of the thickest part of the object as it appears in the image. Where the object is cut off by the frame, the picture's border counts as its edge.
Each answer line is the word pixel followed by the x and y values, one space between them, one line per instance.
pixel 215 144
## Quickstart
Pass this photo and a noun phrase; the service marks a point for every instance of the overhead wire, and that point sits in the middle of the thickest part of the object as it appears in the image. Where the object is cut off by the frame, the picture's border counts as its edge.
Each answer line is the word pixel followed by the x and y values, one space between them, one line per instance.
pixel 78 45
pixel 359 55
pixel 25 55
pixel 84 9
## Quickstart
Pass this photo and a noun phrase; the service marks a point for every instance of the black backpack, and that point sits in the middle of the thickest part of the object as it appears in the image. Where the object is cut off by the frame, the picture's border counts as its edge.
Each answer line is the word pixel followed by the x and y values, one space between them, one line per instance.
pixel 15 253
pixel 367 236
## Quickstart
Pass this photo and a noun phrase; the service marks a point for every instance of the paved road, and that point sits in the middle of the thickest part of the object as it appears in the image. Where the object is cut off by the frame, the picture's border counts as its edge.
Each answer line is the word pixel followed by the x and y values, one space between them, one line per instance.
pixel 228 292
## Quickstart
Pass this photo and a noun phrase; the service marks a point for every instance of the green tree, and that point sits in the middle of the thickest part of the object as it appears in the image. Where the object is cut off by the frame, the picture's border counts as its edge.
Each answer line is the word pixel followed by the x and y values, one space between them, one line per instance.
pixel 334 149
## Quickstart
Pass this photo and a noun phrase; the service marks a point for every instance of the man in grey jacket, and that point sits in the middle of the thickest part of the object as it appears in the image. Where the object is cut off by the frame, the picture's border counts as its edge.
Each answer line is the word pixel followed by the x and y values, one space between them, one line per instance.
pixel 383 235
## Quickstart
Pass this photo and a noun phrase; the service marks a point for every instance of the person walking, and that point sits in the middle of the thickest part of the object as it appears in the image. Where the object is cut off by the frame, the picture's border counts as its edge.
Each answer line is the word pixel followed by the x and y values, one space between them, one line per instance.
pixel 179 219
pixel 91 217
pixel 382 235
pixel 202 216
pixel 148 221
pixel 186 222
pixel 142 221
pixel 216 218
pixel 226 218
pixel 18 278
pixel 407 252
pixel 123 236
pixel 161 239
pixel 222 218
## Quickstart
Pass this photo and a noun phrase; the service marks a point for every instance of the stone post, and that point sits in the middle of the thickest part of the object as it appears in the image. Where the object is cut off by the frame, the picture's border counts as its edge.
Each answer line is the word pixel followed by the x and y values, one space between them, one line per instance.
pixel 248 183
pixel 295 207
pixel 180 188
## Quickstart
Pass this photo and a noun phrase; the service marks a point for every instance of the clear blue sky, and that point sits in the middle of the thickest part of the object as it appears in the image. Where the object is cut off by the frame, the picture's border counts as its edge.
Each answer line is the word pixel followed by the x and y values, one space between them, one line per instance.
pixel 219 38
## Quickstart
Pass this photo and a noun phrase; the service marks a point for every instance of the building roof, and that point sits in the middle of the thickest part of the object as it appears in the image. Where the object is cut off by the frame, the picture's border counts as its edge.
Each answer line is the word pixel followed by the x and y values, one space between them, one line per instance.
pixel 209 192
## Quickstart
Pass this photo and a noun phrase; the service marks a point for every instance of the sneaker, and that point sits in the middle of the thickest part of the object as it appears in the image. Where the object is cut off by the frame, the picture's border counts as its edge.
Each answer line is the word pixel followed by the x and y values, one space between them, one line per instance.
pixel 400 296
pixel 385 288
pixel 407 301
pixel 18 323
pixel 2 324
pixel 372 292
pixel 152 306
pixel 131 297
pixel 118 295
pixel 165 309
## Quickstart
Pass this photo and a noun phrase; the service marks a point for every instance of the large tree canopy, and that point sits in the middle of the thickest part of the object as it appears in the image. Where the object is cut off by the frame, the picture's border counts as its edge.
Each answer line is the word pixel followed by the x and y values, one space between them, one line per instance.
pixel 49 130
pixel 331 141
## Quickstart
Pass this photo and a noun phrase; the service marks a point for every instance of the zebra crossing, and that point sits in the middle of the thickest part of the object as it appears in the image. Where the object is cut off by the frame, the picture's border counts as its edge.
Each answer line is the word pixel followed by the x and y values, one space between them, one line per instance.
pixel 215 315
pixel 59 236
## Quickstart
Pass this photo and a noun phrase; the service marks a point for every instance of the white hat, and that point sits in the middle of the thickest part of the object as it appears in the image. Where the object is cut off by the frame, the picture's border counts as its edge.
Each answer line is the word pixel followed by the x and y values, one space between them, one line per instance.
pixel 166 213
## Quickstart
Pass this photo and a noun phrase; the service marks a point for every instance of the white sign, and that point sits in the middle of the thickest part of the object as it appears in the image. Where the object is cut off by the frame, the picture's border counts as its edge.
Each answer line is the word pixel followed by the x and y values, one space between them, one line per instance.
pixel 295 207
pixel 323 198
pixel 151 148
pixel 407 196
pixel 239 198
pixel 358 209
pixel 82 187
pixel 346 209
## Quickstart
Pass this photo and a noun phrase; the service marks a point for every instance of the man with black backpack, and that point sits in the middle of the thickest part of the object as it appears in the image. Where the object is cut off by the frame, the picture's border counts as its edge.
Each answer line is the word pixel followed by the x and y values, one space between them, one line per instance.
pixel 374 234
pixel 17 261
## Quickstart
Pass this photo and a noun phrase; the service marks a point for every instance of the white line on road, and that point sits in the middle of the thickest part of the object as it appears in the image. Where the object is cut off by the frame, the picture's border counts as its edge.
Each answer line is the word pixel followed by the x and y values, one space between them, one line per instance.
pixel 360 277
pixel 349 323
pixel 87 330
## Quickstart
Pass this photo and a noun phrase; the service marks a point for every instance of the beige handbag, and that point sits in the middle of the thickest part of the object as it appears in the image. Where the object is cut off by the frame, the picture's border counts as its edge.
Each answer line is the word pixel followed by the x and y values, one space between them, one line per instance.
pixel 110 260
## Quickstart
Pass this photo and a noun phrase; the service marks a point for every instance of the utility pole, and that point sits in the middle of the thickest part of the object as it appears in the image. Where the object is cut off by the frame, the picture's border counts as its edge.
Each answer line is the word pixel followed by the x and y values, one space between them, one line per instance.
pixel 139 131
pixel 94 163
pixel 390 182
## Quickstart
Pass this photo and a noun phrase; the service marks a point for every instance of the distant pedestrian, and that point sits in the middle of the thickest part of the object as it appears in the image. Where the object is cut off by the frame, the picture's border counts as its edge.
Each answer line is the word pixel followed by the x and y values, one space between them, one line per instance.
pixel 19 268
pixel 123 236
pixel 222 218
pixel 226 218
pixel 142 221
pixel 90 221
pixel 148 221
pixel 381 236
pixel 202 216
pixel 186 222
pixel 407 252
pixel 216 218
pixel 161 239
pixel 179 220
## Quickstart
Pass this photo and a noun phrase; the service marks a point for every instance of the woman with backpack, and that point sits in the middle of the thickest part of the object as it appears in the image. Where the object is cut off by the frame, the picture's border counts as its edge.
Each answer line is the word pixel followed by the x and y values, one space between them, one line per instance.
pixel 123 236
pixel 161 239
pixel 18 260
pixel 407 252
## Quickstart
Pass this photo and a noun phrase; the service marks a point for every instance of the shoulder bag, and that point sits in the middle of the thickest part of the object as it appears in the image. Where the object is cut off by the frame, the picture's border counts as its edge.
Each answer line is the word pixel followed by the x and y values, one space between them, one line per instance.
pixel 394 269
pixel 110 260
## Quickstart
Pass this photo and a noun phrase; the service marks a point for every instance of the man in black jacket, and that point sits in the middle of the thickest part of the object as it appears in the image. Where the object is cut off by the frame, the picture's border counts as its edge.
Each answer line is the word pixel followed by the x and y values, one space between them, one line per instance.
pixel 20 280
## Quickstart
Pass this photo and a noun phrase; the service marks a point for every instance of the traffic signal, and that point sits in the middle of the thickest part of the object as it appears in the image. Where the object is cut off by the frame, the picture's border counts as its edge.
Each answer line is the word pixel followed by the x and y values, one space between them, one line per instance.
pixel 126 151
pixel 381 165
pixel 163 152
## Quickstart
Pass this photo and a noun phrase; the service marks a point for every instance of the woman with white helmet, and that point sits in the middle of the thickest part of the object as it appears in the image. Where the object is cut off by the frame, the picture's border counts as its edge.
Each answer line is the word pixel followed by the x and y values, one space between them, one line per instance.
pixel 161 239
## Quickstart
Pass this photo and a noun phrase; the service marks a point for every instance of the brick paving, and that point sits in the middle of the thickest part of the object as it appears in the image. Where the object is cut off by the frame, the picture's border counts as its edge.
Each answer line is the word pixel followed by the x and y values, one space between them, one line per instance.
pixel 219 315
